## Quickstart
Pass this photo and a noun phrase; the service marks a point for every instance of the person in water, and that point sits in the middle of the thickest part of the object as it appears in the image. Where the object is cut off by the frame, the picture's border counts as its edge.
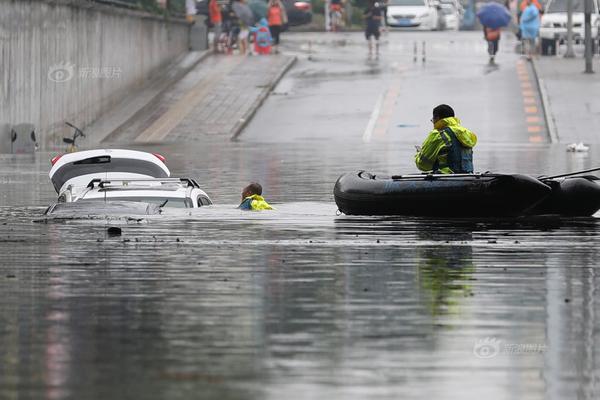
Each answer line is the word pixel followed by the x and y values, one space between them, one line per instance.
pixel 252 198
pixel 448 148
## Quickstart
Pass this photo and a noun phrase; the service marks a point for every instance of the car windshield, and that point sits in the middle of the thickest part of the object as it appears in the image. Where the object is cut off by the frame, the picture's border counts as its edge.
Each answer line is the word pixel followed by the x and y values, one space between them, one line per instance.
pixel 173 202
pixel 560 6
pixel 407 2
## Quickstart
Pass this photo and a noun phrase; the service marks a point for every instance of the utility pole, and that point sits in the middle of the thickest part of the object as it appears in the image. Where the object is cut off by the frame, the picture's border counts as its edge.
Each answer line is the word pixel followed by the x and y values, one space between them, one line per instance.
pixel 570 53
pixel 327 16
pixel 588 37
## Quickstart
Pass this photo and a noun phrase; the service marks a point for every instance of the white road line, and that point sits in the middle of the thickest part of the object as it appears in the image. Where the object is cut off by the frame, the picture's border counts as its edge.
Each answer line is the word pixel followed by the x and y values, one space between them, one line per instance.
pixel 374 117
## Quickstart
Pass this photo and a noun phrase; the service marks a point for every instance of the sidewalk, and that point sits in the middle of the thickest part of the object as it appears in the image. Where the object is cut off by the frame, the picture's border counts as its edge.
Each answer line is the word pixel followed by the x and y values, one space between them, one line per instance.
pixel 570 98
pixel 216 98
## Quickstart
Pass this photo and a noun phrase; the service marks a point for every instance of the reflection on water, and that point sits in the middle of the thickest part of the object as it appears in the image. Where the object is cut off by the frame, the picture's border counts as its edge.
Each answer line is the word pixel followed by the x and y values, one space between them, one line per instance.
pixel 235 305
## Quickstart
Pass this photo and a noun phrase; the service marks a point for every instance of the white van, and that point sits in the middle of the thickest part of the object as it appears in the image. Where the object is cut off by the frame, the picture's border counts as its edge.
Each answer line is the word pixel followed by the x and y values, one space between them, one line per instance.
pixel 553 26
pixel 416 14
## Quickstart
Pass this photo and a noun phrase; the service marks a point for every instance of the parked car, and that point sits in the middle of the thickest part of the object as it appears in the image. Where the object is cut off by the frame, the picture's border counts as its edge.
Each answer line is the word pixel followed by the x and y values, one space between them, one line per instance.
pixel 417 14
pixel 553 27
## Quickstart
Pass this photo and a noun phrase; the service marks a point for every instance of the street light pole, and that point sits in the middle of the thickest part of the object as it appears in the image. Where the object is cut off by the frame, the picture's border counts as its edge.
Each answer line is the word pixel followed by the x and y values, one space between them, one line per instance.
pixel 588 37
pixel 570 53
pixel 327 16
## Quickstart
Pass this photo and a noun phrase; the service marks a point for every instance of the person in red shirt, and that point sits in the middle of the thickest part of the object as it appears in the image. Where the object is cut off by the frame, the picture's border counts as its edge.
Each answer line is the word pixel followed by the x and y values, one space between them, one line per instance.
pixel 214 13
pixel 277 18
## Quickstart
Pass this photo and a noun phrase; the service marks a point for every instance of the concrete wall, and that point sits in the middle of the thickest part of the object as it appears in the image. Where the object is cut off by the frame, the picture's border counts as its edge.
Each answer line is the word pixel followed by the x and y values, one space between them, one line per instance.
pixel 68 60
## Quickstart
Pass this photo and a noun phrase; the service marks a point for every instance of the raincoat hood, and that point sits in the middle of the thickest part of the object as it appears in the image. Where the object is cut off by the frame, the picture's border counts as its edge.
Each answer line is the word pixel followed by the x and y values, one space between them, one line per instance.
pixel 464 136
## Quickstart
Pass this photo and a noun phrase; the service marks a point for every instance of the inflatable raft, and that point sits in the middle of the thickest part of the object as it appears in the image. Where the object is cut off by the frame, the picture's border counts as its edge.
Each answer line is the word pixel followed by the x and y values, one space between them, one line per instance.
pixel 439 195
pixel 576 196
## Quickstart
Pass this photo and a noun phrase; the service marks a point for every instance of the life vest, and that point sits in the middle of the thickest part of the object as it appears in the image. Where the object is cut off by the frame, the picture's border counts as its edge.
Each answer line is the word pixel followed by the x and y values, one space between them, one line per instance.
pixel 458 157
pixel 255 203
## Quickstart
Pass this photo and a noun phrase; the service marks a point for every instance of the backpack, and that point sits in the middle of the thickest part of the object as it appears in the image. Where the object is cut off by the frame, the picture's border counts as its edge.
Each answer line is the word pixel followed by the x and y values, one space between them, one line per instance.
pixel 263 37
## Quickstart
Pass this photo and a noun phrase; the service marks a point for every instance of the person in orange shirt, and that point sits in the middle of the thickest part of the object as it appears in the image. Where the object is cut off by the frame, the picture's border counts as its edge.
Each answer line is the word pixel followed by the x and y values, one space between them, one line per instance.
pixel 523 5
pixel 214 13
pixel 277 18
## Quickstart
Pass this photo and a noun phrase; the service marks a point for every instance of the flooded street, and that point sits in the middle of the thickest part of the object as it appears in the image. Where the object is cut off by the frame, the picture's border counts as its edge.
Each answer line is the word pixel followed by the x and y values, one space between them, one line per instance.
pixel 302 302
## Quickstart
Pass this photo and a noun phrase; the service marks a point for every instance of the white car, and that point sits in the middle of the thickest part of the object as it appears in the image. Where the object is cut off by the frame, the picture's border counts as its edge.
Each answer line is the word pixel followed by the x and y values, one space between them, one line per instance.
pixel 124 176
pixel 164 192
pixel 553 24
pixel 416 14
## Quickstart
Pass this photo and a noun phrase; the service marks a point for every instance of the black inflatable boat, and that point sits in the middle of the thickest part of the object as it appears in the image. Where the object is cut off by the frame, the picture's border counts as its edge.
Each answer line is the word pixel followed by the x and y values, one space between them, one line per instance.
pixel 576 196
pixel 440 195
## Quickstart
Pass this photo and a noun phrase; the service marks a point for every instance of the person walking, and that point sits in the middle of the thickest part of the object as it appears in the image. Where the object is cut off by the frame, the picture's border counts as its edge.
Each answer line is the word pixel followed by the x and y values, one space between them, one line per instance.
pixel 277 18
pixel 448 148
pixel 214 13
pixel 246 19
pixel 372 17
pixel 492 36
pixel 530 27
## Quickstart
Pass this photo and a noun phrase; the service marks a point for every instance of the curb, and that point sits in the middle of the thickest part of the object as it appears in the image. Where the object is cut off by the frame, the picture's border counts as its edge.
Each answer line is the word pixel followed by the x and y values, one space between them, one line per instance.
pixel 247 117
pixel 548 118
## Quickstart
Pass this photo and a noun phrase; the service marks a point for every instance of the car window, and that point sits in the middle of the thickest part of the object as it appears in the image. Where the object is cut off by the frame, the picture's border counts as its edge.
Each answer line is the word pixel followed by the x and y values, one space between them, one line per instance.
pixel 171 202
pixel 203 201
pixel 407 2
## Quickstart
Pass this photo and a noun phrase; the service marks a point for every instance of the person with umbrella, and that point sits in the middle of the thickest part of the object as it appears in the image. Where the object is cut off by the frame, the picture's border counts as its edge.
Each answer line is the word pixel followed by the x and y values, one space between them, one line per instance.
pixel 530 27
pixel 493 16
pixel 246 18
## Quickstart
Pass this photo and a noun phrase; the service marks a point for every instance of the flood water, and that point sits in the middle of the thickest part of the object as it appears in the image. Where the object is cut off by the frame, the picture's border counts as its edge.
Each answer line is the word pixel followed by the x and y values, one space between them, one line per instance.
pixel 299 303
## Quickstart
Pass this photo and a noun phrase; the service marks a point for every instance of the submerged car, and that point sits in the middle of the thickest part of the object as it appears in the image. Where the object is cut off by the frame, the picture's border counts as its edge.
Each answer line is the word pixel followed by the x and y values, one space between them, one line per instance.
pixel 164 192
pixel 124 176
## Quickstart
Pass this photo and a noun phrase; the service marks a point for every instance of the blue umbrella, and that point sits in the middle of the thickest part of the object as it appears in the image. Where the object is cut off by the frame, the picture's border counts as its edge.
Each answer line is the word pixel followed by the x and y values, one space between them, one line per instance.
pixel 494 15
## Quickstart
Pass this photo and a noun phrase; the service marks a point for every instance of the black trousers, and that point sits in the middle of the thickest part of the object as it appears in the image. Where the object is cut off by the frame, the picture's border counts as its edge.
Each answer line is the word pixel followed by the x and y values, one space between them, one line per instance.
pixel 493 47
pixel 275 31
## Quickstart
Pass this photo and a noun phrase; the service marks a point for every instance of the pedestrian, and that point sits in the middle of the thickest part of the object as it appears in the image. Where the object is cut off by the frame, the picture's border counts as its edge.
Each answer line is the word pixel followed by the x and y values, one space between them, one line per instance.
pixel 246 20
pixel 277 18
pixel 262 37
pixel 372 17
pixel 449 146
pixel 252 199
pixel 214 14
pixel 492 36
pixel 530 27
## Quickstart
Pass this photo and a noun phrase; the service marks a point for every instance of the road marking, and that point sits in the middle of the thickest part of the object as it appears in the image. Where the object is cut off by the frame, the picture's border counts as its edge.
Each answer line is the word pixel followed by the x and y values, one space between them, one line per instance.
pixel 373 120
pixel 534 121
pixel 531 110
pixel 536 139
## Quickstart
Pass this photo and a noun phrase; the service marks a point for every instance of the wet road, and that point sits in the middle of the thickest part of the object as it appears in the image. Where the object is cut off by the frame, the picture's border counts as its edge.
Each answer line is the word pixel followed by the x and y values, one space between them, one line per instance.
pixel 299 302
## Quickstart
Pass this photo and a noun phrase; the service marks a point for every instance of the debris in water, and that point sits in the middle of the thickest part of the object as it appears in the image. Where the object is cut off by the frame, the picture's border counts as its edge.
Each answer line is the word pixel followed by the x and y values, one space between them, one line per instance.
pixel 114 231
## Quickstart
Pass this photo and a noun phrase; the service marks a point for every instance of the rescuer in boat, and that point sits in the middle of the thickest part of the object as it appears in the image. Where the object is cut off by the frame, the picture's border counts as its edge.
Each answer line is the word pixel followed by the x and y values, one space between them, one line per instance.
pixel 252 199
pixel 449 147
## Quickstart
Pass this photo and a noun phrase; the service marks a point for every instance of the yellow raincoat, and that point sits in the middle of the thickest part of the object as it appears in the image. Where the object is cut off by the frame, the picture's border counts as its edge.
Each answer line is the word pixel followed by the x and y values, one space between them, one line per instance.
pixel 438 152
